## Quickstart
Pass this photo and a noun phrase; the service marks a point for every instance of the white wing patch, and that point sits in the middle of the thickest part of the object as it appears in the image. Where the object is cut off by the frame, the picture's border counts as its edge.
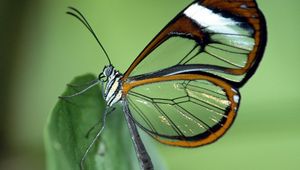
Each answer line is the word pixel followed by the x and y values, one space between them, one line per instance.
pixel 226 29
pixel 206 18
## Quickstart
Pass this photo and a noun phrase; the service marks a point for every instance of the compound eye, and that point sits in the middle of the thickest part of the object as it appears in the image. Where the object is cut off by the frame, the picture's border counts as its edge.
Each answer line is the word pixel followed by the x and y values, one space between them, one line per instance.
pixel 107 71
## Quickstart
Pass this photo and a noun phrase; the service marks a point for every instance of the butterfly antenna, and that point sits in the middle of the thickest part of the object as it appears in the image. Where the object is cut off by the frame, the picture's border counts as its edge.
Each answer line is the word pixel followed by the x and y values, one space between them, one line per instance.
pixel 77 14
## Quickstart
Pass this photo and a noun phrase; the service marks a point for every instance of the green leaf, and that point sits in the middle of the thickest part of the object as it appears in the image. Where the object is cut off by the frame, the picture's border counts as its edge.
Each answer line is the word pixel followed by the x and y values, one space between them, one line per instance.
pixel 68 125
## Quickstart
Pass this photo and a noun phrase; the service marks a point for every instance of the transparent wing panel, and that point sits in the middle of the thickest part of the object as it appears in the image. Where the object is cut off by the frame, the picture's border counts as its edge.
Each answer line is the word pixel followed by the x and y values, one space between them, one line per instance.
pixel 226 47
pixel 179 110
pixel 169 53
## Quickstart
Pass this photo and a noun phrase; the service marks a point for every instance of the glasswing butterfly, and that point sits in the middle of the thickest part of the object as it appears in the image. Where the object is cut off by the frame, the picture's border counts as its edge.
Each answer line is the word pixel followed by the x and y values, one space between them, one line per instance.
pixel 183 88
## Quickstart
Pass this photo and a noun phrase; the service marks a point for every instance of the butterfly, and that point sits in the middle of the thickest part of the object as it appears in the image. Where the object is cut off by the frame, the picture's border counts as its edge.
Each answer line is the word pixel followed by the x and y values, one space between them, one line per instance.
pixel 183 88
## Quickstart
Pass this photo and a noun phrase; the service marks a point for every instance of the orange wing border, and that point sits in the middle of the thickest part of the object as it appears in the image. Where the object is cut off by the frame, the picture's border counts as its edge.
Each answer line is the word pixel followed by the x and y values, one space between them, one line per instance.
pixel 231 93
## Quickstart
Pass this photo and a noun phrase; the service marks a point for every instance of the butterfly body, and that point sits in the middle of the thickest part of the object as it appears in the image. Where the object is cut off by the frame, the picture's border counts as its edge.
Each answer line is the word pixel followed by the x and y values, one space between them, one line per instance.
pixel 113 87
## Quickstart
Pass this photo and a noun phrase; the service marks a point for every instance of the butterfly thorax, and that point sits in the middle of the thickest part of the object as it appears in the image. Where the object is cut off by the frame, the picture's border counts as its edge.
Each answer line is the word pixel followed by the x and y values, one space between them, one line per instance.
pixel 113 86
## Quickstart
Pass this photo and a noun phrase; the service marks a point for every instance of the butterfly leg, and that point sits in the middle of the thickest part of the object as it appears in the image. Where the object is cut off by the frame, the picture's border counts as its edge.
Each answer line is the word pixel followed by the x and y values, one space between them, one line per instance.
pixel 113 109
pixel 98 122
pixel 82 91
pixel 82 85
pixel 95 139
pixel 103 89
pixel 141 152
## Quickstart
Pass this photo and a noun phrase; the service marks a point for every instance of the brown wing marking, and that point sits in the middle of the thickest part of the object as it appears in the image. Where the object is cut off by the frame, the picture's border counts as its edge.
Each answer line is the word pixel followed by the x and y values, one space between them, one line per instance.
pixel 180 25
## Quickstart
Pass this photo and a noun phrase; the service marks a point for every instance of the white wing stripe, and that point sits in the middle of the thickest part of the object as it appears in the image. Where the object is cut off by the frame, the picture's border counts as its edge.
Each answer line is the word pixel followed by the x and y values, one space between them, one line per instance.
pixel 207 18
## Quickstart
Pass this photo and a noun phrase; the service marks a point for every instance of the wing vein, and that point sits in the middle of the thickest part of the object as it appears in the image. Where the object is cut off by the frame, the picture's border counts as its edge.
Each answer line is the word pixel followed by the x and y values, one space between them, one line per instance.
pixel 206 126
pixel 222 59
pixel 142 115
pixel 233 52
pixel 173 125
pixel 187 54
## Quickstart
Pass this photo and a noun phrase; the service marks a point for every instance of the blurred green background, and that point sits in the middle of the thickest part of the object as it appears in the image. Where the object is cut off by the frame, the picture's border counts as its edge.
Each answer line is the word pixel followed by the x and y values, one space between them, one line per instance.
pixel 42 49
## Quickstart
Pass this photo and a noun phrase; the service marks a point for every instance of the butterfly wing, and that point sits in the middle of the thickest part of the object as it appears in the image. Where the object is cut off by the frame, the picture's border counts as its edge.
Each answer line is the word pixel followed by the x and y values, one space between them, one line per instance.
pixel 224 38
pixel 183 87
pixel 185 110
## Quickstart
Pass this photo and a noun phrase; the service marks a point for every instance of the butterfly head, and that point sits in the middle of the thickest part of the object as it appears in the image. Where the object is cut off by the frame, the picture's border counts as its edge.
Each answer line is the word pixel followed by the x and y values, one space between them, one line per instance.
pixel 107 72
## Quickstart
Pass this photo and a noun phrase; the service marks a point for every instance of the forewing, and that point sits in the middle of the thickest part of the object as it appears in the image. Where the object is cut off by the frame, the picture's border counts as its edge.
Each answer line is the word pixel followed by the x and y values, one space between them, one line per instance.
pixel 184 110
pixel 225 38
